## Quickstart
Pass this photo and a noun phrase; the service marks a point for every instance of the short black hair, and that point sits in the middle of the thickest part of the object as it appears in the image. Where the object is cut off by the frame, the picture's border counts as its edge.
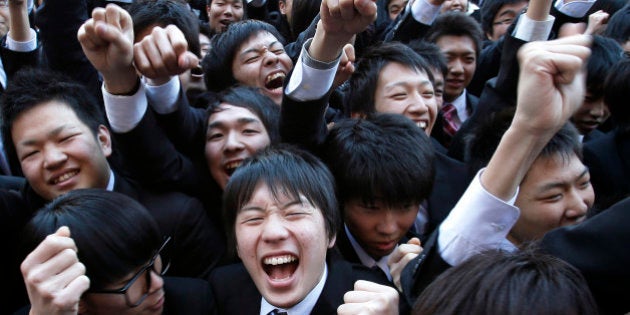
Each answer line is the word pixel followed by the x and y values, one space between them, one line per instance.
pixel 456 23
pixel 497 282
pixel 257 103
pixel 384 156
pixel 217 64
pixel 30 88
pixel 431 53
pixel 284 170
pixel 148 13
pixel 617 94
pixel 605 53
pixel 362 83
pixel 114 234
pixel 484 140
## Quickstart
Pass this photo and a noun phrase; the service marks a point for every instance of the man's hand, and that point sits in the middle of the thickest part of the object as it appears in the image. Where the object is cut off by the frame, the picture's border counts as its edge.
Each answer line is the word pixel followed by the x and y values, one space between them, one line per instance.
pixel 370 298
pixel 551 83
pixel 54 277
pixel 597 23
pixel 346 66
pixel 162 54
pixel 401 256
pixel 340 21
pixel 107 41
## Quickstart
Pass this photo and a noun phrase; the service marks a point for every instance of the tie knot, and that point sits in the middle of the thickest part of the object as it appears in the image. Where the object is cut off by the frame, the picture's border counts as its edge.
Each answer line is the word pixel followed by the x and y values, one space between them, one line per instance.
pixel 278 312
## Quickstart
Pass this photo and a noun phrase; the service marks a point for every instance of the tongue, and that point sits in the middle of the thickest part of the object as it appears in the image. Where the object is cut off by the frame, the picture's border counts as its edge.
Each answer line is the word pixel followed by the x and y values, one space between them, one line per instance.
pixel 283 271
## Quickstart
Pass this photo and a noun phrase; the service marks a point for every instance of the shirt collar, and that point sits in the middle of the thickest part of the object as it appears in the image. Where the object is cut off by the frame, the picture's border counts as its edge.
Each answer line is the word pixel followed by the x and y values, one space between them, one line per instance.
pixel 460 105
pixel 306 305
pixel 110 183
pixel 365 258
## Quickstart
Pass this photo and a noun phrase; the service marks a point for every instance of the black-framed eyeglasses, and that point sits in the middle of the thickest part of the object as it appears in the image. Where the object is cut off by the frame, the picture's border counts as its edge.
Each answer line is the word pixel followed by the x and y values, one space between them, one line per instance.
pixel 136 298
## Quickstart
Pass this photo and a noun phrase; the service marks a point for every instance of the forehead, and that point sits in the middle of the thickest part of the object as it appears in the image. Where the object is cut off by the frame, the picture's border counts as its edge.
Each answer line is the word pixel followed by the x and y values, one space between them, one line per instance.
pixel 262 38
pixel 395 72
pixel 229 113
pixel 460 44
pixel 514 8
pixel 555 168
pixel 50 112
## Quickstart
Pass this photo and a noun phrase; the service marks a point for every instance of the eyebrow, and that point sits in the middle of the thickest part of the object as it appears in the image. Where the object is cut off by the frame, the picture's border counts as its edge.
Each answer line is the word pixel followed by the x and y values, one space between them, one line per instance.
pixel 53 132
pixel 405 83
pixel 254 49
pixel 561 184
pixel 506 12
pixel 240 121
pixel 282 207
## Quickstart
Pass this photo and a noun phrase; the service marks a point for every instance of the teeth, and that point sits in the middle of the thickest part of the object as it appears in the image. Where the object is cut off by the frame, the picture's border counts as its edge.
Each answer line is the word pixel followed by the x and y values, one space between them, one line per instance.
pixel 232 165
pixel 64 177
pixel 422 124
pixel 279 260
pixel 275 76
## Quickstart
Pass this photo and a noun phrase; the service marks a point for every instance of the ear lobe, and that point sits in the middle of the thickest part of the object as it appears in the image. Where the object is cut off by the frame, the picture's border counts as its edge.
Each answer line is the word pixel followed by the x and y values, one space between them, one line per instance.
pixel 332 241
pixel 104 140
pixel 282 7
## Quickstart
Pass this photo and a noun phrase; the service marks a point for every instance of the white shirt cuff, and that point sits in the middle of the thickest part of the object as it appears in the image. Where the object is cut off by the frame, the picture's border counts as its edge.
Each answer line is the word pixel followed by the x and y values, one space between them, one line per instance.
pixel 125 112
pixel 576 9
pixel 26 46
pixel 163 98
pixel 308 83
pixel 478 222
pixel 424 12
pixel 531 30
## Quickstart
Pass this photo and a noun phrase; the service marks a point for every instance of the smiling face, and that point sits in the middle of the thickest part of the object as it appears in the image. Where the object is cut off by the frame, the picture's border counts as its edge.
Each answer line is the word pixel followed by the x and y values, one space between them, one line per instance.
pixel 282 243
pixel 377 227
pixel 221 13
pixel 262 62
pixel 402 90
pixel 504 18
pixel 234 133
pixel 555 192
pixel 461 61
pixel 58 152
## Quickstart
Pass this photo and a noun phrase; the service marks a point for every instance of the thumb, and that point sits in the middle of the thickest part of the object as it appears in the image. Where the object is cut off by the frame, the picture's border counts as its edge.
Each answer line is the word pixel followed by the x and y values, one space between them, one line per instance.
pixel 63 231
pixel 414 241
pixel 188 60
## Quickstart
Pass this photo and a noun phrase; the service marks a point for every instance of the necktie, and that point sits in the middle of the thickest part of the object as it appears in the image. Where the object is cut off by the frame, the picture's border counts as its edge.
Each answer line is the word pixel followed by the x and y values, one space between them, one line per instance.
pixel 277 312
pixel 451 119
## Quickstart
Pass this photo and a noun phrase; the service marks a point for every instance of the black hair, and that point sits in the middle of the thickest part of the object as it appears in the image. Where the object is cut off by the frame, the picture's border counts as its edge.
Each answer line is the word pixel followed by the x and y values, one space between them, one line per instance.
pixel 217 64
pixel 284 170
pixel 384 156
pixel 114 234
pixel 363 82
pixel 32 87
pixel 254 101
pixel 148 13
pixel 455 23
pixel 431 53
pixel 302 15
pixel 617 93
pixel 605 53
pixel 618 27
pixel 489 10
pixel 480 146
pixel 496 282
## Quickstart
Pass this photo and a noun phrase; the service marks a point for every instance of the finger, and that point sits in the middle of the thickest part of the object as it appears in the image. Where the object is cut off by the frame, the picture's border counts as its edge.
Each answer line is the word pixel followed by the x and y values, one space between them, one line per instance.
pixel 333 8
pixel 366 8
pixel 347 9
pixel 364 285
pixel 141 60
pixel 165 43
pixel 350 308
pixel 49 247
pixel 63 278
pixel 188 60
pixel 348 50
pixel 112 15
pixel 98 14
pixel 359 296
pixel 415 241
pixel 63 231
pixel 71 294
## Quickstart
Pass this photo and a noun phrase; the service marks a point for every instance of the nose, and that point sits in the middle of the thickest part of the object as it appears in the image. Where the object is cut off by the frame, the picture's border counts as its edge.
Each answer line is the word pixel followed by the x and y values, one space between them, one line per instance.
pixel 387 224
pixel 455 66
pixel 274 229
pixel 229 11
pixel 418 106
pixel 270 57
pixel 53 157
pixel 598 109
pixel 157 282
pixel 233 142
pixel 579 201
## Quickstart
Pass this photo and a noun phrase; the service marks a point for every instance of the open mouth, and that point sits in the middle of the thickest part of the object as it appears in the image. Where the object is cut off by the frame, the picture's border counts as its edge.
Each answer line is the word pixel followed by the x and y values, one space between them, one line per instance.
pixel 229 168
pixel 280 267
pixel 63 177
pixel 422 124
pixel 275 80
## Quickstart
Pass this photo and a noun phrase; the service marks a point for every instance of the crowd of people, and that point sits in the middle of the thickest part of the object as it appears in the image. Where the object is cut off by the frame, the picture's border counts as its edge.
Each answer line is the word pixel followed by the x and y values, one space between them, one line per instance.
pixel 315 157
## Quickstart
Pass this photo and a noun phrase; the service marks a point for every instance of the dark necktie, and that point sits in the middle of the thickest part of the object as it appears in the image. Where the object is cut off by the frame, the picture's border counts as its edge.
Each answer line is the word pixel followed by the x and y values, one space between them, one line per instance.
pixel 277 312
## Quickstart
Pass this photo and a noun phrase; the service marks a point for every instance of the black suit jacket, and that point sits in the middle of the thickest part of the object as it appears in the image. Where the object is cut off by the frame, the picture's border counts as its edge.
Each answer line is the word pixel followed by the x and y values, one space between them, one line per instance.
pixel 608 160
pixel 598 247
pixel 455 149
pixel 235 292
